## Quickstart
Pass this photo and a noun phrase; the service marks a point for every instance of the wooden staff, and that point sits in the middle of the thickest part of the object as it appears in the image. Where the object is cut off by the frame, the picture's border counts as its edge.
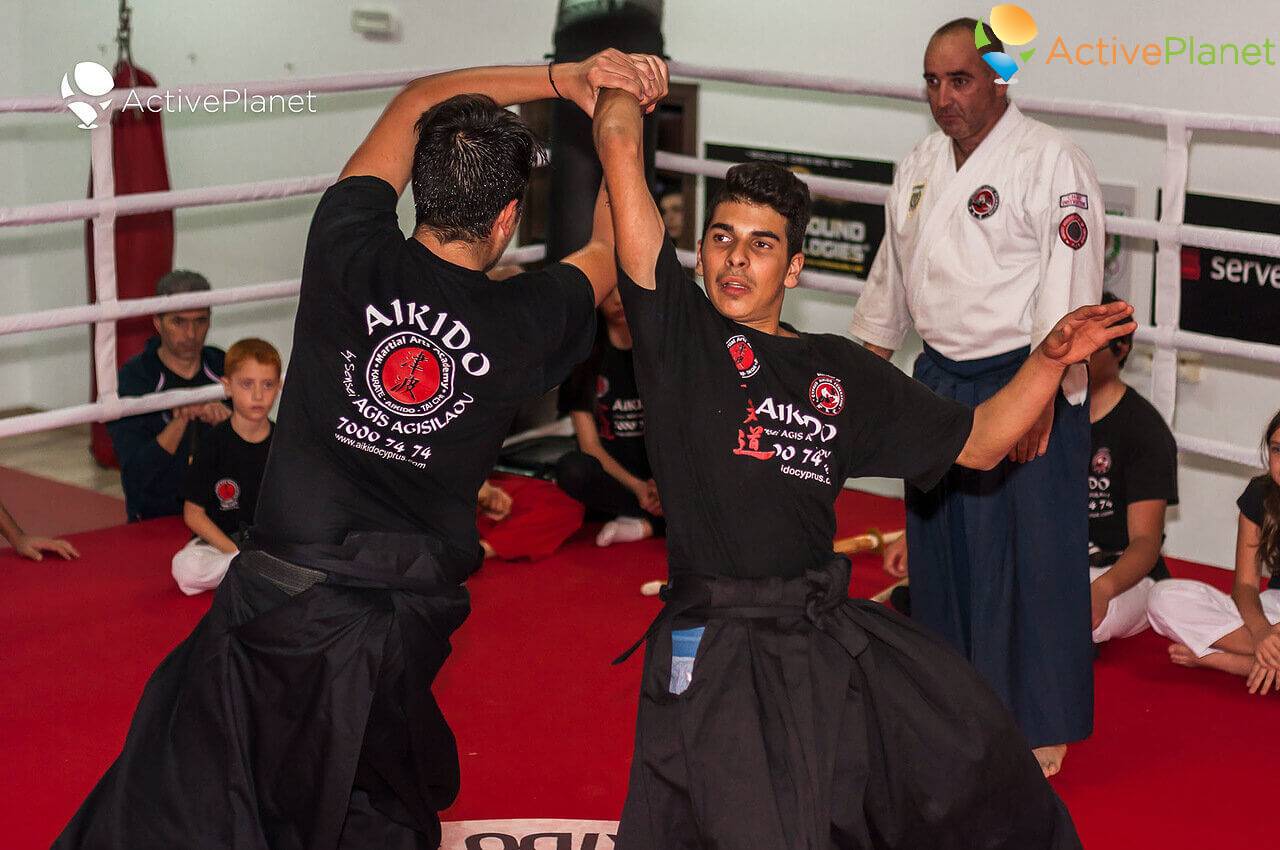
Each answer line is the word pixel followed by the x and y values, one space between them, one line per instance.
pixel 871 541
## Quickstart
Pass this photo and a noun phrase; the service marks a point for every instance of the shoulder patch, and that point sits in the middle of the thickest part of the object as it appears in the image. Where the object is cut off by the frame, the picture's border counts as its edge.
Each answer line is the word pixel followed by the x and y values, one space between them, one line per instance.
pixel 1074 199
pixel 917 192
pixel 1073 231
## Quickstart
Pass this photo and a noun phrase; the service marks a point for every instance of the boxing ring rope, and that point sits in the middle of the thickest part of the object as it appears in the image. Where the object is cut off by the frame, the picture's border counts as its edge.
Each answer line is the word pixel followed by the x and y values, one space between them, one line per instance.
pixel 1170 233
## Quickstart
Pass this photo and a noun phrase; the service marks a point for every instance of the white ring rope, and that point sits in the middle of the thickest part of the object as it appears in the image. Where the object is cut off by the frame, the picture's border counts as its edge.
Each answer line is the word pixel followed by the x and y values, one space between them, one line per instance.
pixel 1127 112
pixel 1219 238
pixel 148 202
pixel 1170 233
pixel 105 410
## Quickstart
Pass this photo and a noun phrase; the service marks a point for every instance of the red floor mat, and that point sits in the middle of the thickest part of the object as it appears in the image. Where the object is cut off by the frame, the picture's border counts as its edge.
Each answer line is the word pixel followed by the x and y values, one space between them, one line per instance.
pixel 53 509
pixel 544 724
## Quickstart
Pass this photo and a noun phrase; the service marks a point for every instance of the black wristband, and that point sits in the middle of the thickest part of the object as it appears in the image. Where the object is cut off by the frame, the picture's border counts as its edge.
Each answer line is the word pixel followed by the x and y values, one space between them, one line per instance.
pixel 552 80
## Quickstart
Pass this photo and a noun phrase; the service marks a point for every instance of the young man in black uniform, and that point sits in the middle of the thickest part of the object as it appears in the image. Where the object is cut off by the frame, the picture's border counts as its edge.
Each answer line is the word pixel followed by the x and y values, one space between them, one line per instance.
pixel 299 713
pixel 811 721
pixel 1133 479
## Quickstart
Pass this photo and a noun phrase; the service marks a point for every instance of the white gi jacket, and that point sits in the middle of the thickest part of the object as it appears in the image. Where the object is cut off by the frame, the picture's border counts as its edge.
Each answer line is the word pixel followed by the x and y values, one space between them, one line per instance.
pixel 987 259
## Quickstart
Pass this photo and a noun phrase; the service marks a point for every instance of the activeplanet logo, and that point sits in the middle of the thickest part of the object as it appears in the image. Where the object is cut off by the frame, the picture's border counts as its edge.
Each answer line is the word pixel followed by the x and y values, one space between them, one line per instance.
pixel 82 90
pixel 1011 24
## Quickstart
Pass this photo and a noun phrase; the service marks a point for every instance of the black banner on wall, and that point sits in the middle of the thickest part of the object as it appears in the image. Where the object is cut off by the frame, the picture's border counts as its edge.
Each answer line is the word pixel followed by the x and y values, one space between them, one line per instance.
pixel 1225 293
pixel 843 235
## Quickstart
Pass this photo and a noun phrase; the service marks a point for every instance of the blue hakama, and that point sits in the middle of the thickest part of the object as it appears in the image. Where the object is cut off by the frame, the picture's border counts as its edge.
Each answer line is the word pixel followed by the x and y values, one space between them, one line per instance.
pixel 999 560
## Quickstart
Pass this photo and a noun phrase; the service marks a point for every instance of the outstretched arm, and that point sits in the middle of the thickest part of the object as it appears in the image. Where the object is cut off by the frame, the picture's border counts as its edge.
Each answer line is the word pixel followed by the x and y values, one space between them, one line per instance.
pixel 387 152
pixel 1000 420
pixel 637 222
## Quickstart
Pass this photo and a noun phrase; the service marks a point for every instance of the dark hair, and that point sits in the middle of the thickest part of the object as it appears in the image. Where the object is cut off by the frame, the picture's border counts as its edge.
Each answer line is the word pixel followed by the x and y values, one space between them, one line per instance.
pixel 1127 339
pixel 765 184
pixel 181 281
pixel 472 159
pixel 1269 544
pixel 969 26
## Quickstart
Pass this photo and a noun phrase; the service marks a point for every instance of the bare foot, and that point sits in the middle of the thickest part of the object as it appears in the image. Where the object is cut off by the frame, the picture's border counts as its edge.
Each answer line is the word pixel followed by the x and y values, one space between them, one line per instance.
pixel 1227 662
pixel 1182 655
pixel 1050 758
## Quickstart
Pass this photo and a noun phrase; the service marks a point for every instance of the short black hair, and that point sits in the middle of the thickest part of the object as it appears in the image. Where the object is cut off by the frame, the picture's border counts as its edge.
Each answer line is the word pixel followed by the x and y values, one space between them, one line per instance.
pixel 766 184
pixel 668 186
pixel 472 158
pixel 969 26
pixel 1127 339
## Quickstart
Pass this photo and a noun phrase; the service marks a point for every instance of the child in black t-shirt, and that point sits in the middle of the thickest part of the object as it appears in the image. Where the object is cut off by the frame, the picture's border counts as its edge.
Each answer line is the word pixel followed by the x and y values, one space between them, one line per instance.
pixel 220 488
pixel 1239 633
pixel 610 473
pixel 1133 478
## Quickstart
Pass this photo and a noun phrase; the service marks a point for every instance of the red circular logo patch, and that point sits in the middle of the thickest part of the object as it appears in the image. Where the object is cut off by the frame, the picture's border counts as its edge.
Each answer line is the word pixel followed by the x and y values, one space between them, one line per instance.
pixel 984 202
pixel 602 386
pixel 410 375
pixel 826 394
pixel 1073 231
pixel 744 358
pixel 228 493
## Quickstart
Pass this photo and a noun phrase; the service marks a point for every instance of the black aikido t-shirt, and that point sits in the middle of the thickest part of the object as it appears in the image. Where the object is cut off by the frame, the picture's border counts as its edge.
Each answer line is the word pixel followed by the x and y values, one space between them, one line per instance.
pixel 605 387
pixel 224 477
pixel 1251 507
pixel 406 373
pixel 751 436
pixel 1135 458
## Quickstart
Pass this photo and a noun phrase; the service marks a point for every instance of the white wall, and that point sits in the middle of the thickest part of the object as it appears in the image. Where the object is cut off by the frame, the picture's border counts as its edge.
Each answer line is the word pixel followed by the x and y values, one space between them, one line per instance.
pixel 184 42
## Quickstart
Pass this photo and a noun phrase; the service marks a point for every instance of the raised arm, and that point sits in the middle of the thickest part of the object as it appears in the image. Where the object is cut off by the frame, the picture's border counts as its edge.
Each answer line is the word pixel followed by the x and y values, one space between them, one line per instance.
pixel 1000 420
pixel 387 152
pixel 595 259
pixel 637 222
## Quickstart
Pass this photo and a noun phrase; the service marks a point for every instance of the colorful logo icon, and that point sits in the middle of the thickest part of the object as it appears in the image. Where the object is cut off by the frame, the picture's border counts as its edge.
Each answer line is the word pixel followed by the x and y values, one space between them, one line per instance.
pixel 1012 24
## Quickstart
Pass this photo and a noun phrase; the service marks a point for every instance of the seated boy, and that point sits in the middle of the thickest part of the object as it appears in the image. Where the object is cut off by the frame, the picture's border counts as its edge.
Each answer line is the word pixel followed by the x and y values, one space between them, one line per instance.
pixel 221 484
pixel 1133 478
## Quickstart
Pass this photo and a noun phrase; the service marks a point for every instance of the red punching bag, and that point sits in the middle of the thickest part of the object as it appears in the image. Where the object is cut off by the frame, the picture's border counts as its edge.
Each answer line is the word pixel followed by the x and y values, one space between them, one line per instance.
pixel 144 243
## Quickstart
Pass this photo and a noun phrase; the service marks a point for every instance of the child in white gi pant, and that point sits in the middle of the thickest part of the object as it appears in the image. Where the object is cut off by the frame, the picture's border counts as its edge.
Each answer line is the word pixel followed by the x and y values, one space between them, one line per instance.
pixel 220 488
pixel 1239 633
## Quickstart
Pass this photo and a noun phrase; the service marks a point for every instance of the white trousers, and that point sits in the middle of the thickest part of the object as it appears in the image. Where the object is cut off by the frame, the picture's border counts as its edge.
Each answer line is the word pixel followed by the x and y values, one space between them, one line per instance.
pixel 1126 613
pixel 198 567
pixel 1199 615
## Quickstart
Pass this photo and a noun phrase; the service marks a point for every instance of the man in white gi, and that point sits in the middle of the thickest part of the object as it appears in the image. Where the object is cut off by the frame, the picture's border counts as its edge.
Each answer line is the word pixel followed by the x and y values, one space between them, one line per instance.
pixel 994 229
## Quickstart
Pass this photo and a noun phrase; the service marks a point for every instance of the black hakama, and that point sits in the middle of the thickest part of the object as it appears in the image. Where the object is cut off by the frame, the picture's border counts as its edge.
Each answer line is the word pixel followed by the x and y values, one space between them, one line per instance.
pixel 816 721
pixel 297 715
pixel 999 560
